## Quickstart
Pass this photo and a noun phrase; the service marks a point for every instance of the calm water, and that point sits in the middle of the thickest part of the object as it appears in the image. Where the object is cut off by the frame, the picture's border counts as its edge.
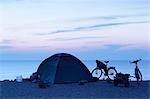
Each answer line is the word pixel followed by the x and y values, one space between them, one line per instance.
pixel 11 69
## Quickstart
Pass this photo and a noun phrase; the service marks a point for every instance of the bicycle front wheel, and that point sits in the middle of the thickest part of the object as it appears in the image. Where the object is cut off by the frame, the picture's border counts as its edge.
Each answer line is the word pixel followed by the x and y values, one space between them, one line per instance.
pixel 112 73
pixel 139 76
pixel 97 73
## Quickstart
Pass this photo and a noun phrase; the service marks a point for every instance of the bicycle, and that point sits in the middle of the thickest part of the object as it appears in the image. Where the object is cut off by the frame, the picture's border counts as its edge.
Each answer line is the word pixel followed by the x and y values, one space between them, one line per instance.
pixel 102 68
pixel 137 72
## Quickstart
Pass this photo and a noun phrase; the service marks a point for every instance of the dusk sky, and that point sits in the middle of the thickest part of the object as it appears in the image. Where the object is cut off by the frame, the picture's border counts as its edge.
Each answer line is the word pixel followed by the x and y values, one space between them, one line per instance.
pixel 88 29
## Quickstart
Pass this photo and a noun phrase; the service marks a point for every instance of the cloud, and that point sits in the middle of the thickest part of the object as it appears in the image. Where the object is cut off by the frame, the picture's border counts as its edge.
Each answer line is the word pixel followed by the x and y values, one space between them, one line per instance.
pixel 74 24
pixel 109 24
pixel 76 38
pixel 6 44
pixel 113 17
pixel 115 45
pixel 125 47
pixel 5 41
pixel 97 26
pixel 9 1
pixel 6 47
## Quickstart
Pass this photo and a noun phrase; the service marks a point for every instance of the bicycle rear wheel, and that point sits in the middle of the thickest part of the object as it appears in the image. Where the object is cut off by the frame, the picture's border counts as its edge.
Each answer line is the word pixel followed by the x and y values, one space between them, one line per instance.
pixel 112 73
pixel 139 76
pixel 97 72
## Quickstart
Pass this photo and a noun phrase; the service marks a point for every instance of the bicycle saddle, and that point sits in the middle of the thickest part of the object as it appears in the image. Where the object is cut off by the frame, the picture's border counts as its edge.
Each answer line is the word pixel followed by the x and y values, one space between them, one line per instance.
pixel 136 61
pixel 106 61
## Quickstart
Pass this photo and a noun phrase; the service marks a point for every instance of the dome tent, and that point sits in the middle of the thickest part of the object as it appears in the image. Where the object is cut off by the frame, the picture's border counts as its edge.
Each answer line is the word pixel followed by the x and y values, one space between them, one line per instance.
pixel 63 68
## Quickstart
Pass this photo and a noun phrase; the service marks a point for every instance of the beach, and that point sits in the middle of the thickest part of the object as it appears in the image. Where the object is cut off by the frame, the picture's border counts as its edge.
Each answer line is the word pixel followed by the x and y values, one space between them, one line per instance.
pixel 91 90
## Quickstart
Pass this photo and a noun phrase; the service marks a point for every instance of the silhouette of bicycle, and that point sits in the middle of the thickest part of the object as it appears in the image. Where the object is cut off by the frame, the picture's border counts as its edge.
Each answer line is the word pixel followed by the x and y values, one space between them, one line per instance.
pixel 137 72
pixel 103 69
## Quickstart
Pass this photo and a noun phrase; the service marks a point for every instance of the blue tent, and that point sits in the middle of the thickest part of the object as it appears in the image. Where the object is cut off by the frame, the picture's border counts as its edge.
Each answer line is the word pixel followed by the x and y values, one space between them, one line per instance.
pixel 63 68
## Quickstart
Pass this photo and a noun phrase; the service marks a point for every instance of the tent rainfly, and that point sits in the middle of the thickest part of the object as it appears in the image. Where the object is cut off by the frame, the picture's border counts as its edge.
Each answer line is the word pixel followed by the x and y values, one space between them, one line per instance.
pixel 63 68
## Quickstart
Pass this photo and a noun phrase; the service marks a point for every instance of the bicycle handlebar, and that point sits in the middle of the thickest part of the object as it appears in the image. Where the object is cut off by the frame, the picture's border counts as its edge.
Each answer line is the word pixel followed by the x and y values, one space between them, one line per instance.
pixel 136 61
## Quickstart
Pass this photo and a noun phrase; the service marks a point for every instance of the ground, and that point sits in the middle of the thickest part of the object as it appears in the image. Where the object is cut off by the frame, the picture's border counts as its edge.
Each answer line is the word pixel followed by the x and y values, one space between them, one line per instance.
pixel 99 89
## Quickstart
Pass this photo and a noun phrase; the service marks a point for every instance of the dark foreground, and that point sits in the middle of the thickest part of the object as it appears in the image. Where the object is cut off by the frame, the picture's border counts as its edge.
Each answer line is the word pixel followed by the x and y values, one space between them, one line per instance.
pixel 100 89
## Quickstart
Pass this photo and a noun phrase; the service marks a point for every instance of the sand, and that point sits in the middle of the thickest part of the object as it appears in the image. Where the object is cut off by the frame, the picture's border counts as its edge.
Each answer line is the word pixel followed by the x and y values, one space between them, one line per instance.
pixel 92 90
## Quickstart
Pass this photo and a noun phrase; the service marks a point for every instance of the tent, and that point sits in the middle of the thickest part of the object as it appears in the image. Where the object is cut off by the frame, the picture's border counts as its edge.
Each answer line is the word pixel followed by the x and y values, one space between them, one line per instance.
pixel 63 68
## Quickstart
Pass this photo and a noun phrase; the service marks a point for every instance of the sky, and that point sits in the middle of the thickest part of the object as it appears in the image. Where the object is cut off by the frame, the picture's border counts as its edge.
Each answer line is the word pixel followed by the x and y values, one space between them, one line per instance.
pixel 87 29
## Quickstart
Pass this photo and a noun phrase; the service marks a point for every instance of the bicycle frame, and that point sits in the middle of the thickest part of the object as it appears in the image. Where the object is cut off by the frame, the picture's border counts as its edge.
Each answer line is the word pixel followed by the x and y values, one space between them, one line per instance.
pixel 105 68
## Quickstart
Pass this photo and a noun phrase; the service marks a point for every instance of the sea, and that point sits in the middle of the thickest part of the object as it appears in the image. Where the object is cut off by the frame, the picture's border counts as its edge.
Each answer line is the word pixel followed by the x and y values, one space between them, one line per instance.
pixel 9 70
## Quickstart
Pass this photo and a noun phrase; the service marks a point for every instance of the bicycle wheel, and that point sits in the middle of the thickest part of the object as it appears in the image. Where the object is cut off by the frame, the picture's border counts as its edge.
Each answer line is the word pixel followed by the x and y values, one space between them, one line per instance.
pixel 97 73
pixel 112 73
pixel 139 76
